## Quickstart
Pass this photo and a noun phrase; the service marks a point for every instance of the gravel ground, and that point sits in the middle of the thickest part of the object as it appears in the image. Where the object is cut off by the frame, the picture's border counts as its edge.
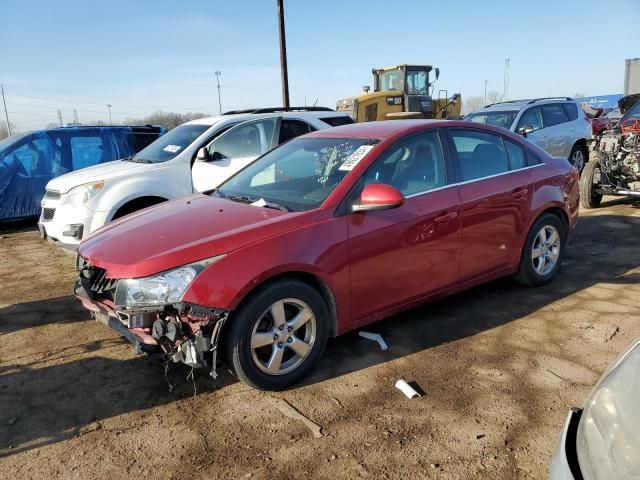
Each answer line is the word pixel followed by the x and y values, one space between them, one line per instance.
pixel 500 365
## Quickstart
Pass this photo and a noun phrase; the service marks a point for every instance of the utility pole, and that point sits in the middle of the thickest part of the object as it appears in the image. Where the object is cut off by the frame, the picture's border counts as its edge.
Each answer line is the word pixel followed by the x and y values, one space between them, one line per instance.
pixel 60 119
pixel 283 56
pixel 110 119
pixel 485 91
pixel 218 73
pixel 6 114
pixel 505 87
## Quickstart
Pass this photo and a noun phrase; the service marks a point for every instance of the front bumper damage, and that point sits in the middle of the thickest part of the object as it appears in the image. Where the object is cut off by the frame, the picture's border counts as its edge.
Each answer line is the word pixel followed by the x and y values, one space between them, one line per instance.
pixel 185 332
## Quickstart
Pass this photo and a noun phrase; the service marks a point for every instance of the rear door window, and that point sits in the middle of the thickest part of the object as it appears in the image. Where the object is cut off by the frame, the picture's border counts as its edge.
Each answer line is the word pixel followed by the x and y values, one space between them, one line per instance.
pixel 480 154
pixel 293 128
pixel 571 109
pixel 553 114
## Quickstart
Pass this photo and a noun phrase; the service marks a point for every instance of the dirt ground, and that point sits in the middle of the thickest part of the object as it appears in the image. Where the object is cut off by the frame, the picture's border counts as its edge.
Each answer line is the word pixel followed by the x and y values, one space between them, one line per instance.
pixel 500 366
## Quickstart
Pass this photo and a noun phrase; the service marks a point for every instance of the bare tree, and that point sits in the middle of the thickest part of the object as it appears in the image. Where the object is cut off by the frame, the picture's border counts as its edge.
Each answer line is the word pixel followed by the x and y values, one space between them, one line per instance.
pixel 471 104
pixel 168 120
pixel 4 131
pixel 494 97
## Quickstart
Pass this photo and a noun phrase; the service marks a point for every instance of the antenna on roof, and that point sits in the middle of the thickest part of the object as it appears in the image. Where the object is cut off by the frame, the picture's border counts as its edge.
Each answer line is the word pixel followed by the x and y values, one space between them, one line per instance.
pixel 505 87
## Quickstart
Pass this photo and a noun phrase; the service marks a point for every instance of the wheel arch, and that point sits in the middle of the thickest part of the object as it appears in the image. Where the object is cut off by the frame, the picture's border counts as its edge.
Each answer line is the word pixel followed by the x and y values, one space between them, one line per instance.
pixel 137 203
pixel 303 276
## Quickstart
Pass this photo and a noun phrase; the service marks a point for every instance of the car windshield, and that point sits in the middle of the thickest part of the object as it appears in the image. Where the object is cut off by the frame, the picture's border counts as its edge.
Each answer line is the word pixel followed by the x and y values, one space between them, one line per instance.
pixel 7 142
pixel 170 144
pixel 499 119
pixel 297 176
pixel 632 114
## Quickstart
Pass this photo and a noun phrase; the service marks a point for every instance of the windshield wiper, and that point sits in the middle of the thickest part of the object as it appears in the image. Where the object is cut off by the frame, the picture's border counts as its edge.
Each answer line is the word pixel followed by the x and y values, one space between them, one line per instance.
pixel 133 158
pixel 276 206
pixel 240 198
pixel 248 199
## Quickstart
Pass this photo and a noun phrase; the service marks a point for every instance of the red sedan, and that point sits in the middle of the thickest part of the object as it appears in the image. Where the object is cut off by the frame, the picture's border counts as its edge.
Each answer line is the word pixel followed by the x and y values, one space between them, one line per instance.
pixel 327 233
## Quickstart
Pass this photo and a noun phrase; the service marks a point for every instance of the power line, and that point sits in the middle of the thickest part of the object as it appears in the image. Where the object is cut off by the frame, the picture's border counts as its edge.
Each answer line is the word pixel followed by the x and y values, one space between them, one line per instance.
pixel 51 99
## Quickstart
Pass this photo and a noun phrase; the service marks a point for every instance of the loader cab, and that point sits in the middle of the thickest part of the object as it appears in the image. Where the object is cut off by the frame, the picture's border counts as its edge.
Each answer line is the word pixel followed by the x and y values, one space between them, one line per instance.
pixel 410 79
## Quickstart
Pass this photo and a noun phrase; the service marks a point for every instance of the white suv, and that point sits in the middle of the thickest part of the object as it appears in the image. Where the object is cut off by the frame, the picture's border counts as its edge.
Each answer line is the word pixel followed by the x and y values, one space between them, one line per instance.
pixel 175 165
pixel 557 125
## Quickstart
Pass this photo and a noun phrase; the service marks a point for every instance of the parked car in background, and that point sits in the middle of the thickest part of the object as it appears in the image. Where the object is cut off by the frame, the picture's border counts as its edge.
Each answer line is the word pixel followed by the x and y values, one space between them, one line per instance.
pixel 326 233
pixel 174 166
pixel 602 439
pixel 557 125
pixel 29 160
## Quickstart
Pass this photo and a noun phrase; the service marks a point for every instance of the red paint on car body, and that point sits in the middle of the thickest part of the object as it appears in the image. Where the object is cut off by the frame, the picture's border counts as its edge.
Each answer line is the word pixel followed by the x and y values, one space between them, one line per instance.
pixel 374 263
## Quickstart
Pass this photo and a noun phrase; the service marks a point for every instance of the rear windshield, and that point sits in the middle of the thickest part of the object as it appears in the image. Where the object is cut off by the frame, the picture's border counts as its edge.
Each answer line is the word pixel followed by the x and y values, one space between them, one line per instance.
pixel 498 119
pixel 171 144
pixel 337 121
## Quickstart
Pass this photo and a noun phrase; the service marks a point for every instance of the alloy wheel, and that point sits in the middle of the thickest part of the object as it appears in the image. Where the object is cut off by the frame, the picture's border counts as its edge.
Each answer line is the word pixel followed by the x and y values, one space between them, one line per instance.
pixel 577 159
pixel 545 250
pixel 283 336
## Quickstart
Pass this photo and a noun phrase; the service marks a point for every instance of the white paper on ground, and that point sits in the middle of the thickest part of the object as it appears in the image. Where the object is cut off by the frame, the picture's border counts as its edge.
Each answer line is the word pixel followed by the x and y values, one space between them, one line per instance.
pixel 407 389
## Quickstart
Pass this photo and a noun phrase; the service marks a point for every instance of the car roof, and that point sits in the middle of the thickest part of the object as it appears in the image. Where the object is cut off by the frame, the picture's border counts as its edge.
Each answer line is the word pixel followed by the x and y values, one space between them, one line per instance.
pixel 516 105
pixel 381 129
pixel 248 116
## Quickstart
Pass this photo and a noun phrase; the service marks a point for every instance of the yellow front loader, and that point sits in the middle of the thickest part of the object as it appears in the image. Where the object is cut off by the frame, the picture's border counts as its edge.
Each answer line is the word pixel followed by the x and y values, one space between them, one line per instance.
pixel 402 91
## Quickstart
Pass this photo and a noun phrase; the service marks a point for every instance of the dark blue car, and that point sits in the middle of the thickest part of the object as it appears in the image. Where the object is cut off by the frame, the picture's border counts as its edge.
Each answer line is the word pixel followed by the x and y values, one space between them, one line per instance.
pixel 29 160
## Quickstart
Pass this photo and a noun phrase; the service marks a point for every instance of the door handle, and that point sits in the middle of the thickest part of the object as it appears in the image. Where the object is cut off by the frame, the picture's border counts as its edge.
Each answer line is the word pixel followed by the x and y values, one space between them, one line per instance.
pixel 446 217
pixel 520 193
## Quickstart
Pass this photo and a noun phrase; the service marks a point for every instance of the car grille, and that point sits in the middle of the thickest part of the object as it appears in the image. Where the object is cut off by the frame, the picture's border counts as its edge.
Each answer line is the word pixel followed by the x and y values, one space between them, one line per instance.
pixel 47 214
pixel 98 283
pixel 52 195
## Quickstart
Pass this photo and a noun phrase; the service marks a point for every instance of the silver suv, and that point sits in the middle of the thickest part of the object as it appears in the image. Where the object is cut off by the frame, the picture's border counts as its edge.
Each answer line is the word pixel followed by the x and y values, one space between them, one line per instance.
pixel 557 125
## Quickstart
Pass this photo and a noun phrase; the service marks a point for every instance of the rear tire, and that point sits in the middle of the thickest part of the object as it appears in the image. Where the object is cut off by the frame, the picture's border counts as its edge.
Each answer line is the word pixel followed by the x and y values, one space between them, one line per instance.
pixel 278 335
pixel 589 198
pixel 579 157
pixel 543 251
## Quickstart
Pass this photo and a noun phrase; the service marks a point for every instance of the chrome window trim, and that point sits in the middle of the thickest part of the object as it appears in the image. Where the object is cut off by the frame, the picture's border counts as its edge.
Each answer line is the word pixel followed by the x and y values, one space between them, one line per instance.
pixel 466 182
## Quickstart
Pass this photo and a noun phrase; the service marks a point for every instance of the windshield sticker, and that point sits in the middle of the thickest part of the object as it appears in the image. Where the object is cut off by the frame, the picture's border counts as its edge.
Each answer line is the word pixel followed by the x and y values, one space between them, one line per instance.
pixel 353 159
pixel 172 148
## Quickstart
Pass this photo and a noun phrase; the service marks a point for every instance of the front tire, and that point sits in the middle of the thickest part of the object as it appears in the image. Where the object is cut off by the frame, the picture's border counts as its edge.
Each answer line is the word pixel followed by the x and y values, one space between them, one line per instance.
pixel 543 251
pixel 278 335
pixel 578 157
pixel 589 198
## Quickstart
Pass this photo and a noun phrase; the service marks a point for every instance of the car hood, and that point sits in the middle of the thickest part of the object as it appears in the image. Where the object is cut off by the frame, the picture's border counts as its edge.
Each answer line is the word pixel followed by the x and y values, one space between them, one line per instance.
pixel 103 171
pixel 180 232
pixel 625 103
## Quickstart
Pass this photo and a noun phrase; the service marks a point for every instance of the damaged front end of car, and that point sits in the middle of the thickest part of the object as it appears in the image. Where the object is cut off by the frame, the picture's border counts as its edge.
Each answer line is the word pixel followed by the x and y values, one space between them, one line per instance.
pixel 618 156
pixel 150 313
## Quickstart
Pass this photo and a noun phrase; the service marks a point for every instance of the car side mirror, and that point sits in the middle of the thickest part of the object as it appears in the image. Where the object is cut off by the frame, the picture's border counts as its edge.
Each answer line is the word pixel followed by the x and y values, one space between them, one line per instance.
pixel 525 130
pixel 378 196
pixel 203 155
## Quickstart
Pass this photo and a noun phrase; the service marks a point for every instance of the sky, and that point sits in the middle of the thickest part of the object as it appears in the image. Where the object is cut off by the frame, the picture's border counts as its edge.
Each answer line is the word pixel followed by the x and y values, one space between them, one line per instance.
pixel 141 56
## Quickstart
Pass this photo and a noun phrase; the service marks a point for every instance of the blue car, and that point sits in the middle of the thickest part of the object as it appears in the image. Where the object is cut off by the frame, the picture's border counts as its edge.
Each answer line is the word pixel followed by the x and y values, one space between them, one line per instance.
pixel 29 160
